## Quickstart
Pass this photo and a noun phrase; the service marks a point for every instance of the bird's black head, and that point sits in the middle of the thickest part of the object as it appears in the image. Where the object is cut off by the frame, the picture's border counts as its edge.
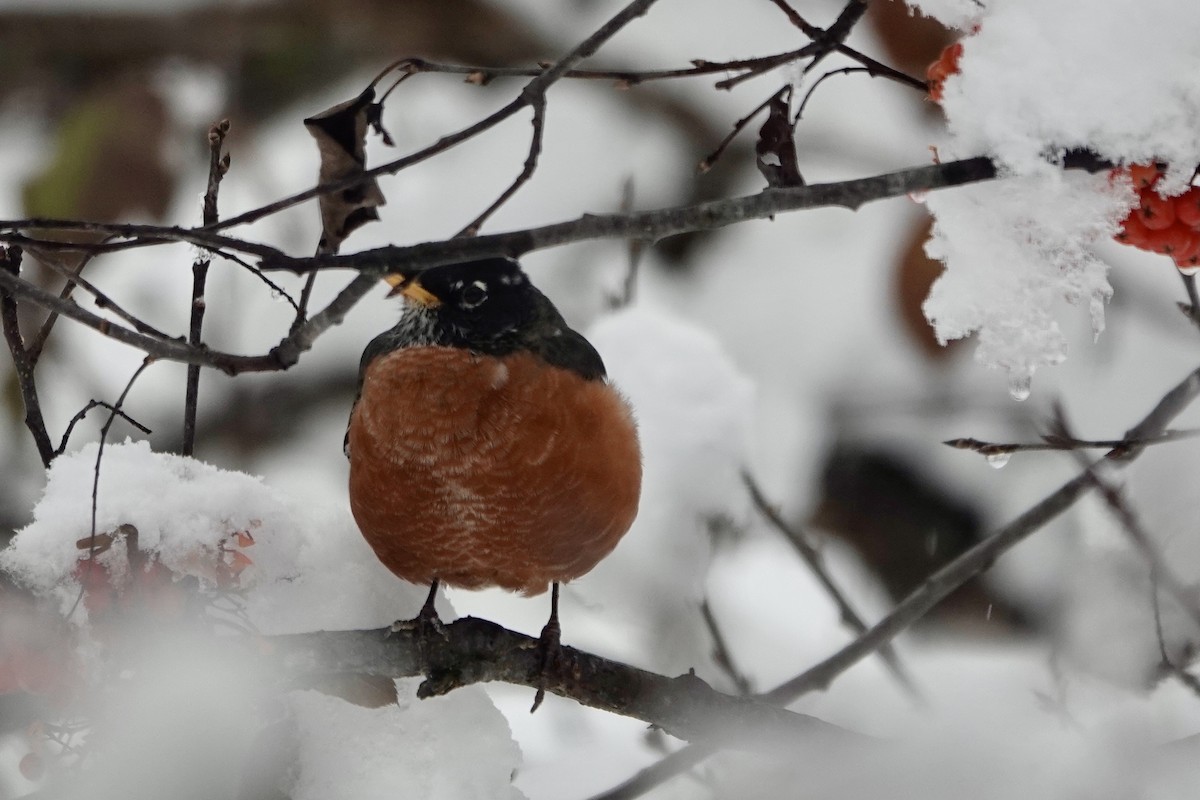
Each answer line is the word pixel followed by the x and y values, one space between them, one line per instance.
pixel 487 306
pixel 476 304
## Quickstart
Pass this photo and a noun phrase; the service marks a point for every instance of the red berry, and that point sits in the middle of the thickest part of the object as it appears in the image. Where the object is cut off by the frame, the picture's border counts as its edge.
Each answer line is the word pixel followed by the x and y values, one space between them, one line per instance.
pixel 32 766
pixel 1175 239
pixel 1134 232
pixel 1157 212
pixel 1187 208
pixel 1144 175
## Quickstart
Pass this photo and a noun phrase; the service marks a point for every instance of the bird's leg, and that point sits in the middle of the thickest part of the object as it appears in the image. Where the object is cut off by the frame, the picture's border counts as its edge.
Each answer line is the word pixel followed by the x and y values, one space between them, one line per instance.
pixel 550 644
pixel 427 620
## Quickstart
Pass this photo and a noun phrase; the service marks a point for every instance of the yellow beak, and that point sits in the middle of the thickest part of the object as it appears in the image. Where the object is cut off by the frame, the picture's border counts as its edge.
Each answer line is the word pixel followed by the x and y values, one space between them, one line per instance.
pixel 412 289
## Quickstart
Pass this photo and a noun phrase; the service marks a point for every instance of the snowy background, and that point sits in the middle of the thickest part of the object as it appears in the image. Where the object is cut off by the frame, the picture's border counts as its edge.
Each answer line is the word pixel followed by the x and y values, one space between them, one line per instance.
pixel 779 347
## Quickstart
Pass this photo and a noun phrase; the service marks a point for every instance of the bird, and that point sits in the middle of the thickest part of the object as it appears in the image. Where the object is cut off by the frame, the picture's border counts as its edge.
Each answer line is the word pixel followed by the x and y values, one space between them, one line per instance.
pixel 487 446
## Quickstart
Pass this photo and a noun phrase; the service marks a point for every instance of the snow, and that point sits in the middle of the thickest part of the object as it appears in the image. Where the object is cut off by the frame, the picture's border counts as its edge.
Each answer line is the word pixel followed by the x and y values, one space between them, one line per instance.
pixel 1019 256
pixel 777 339
pixel 189 704
pixel 1037 78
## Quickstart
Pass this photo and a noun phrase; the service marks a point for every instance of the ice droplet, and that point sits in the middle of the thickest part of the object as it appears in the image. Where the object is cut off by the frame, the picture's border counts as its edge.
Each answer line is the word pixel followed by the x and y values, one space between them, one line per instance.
pixel 1019 387
pixel 998 460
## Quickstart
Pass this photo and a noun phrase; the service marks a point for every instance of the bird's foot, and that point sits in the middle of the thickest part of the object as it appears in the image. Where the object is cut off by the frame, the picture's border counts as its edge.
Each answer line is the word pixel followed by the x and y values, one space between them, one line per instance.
pixel 426 623
pixel 549 650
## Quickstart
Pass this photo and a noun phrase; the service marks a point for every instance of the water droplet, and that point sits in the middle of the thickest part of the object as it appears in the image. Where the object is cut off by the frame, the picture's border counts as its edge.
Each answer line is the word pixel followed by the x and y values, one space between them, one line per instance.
pixel 1020 387
pixel 989 612
pixel 998 460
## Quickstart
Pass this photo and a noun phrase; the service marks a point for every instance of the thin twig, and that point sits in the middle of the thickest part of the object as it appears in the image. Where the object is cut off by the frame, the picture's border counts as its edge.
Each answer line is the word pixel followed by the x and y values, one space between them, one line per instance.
pixel 527 170
pixel 1051 442
pixel 530 93
pixel 635 249
pixel 282 356
pixel 825 76
pixel 83 412
pixel 1193 309
pixel 658 773
pixel 10 263
pixel 275 288
pixel 707 162
pixel 721 653
pixel 623 78
pixel 949 578
pixel 114 411
pixel 833 39
pixel 816 564
pixel 1177 670
pixel 128 236
pixel 43 334
pixel 103 300
pixel 217 167
pixel 1166 577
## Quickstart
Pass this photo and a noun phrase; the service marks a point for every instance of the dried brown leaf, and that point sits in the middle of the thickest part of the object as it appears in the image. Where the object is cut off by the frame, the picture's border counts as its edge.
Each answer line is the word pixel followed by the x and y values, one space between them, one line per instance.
pixel 775 150
pixel 341 133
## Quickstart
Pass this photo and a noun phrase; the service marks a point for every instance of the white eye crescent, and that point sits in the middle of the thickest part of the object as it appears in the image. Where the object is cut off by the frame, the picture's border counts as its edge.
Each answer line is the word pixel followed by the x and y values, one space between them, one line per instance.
pixel 474 295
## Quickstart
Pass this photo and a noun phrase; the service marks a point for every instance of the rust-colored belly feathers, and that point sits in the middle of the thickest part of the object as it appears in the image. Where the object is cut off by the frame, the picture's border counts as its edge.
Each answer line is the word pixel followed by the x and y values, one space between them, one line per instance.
pixel 490 471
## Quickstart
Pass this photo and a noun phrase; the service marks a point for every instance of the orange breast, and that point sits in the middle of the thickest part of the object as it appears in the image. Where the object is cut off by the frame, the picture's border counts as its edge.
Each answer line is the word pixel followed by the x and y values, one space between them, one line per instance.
pixel 482 471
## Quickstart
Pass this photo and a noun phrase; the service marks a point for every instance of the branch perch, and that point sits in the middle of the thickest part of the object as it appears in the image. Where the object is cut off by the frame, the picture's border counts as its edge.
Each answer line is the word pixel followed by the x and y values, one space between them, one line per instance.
pixel 476 651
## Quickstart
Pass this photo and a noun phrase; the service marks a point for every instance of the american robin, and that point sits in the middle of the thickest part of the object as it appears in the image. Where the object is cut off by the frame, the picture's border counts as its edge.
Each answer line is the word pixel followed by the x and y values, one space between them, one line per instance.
pixel 486 446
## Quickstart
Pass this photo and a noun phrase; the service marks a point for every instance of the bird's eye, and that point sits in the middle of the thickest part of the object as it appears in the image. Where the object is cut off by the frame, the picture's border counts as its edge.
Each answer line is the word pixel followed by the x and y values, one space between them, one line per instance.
pixel 474 295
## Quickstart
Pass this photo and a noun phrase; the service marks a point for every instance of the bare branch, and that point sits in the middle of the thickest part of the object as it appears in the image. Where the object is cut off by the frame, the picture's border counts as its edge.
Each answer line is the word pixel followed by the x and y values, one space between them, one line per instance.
pixel 816 564
pixel 10 264
pixel 938 586
pixel 280 357
pixel 475 650
pixel 128 235
pixel 217 166
pixel 657 224
pixel 983 555
pixel 532 92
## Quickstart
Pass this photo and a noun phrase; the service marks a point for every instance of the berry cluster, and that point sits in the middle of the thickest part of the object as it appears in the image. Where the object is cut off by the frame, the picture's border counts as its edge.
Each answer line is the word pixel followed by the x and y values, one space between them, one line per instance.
pixel 1167 225
pixel 944 67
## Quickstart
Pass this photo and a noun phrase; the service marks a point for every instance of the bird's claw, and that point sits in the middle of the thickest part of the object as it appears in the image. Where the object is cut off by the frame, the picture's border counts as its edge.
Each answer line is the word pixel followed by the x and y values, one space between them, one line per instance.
pixel 550 645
